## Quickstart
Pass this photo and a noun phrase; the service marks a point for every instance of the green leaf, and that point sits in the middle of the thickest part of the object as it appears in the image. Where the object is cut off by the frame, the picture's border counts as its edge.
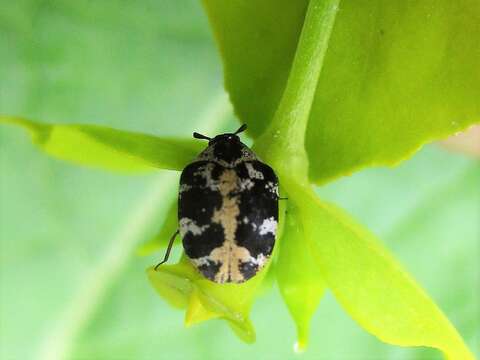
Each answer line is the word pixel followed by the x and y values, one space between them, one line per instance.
pixel 232 302
pixel 173 283
pixel 182 286
pixel 196 312
pixel 257 41
pixel 371 286
pixel 108 148
pixel 299 277
pixel 396 75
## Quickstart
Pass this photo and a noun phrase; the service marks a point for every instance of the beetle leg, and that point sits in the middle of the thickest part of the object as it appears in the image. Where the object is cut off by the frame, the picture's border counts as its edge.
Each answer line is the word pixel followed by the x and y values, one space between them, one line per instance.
pixel 169 248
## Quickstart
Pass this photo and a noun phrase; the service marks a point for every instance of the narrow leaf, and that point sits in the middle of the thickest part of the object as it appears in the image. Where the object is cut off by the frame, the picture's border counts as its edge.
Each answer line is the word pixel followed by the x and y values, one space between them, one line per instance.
pixel 196 312
pixel 233 302
pixel 371 285
pixel 173 283
pixel 107 148
pixel 245 331
pixel 299 277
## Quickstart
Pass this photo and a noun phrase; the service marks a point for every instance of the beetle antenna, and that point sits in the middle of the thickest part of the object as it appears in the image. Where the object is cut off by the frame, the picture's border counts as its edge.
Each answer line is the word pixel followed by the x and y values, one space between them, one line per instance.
pixel 200 136
pixel 241 129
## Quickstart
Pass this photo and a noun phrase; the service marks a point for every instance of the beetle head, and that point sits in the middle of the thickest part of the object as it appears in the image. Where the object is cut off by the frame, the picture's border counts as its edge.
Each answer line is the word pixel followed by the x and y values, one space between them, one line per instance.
pixel 224 138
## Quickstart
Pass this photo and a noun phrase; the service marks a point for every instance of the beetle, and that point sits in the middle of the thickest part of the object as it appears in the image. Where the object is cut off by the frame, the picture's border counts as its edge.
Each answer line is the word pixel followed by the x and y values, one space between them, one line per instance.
pixel 227 210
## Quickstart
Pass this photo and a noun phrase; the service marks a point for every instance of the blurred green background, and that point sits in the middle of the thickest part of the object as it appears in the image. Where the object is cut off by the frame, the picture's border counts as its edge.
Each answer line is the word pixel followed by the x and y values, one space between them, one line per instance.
pixel 71 284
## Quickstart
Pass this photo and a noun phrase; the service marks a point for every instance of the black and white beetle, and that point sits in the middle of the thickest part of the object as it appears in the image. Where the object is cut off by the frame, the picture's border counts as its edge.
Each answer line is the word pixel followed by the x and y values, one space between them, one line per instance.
pixel 227 210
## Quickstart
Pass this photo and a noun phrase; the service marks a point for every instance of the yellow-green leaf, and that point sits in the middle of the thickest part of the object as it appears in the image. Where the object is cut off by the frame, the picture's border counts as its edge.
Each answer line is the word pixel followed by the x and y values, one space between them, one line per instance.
pixel 173 283
pixel 107 148
pixel 182 286
pixel 371 285
pixel 299 277
pixel 196 312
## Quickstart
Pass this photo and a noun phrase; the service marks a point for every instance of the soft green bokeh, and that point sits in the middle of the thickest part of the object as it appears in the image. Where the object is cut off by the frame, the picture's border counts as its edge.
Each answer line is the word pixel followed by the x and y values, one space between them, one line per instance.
pixel 167 226
pixel 152 68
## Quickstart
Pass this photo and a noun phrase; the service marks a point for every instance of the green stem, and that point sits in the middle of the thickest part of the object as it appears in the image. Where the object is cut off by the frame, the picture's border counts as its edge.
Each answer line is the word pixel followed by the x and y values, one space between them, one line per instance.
pixel 283 143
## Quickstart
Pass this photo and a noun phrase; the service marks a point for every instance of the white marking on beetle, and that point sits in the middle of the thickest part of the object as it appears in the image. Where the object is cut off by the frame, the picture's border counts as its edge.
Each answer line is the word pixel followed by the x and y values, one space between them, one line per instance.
pixel 184 187
pixel 207 154
pixel 268 226
pixel 253 173
pixel 205 171
pixel 272 187
pixel 246 184
pixel 204 260
pixel 259 260
pixel 189 225
pixel 275 191
pixel 247 155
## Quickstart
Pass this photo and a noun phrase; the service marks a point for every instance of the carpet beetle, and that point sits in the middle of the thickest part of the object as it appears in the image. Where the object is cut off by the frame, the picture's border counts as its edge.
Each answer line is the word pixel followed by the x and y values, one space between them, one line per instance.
pixel 227 210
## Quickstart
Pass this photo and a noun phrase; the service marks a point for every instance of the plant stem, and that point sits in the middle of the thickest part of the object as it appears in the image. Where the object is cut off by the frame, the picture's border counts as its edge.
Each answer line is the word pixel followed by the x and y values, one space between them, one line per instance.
pixel 285 137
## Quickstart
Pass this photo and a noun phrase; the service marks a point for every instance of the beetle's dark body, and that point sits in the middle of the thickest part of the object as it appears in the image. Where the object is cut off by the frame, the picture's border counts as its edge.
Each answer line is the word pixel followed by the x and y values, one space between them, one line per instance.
pixel 228 211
